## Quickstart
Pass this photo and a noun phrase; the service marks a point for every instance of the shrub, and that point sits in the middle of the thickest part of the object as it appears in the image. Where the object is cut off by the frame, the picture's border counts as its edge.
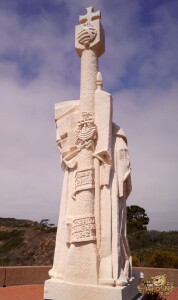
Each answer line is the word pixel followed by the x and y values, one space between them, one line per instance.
pixel 12 239
pixel 135 261
pixel 163 259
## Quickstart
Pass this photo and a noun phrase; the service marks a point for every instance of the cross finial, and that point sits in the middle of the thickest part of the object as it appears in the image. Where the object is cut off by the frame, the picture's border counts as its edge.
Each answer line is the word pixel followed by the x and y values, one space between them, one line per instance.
pixel 90 16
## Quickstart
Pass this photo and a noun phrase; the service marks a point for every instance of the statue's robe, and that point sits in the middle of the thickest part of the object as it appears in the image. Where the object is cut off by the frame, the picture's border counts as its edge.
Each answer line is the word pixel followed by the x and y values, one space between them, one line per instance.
pixel 112 187
pixel 115 187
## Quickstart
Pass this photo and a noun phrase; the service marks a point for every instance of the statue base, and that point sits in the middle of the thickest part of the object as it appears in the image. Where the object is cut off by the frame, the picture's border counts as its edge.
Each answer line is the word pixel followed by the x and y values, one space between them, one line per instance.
pixel 59 290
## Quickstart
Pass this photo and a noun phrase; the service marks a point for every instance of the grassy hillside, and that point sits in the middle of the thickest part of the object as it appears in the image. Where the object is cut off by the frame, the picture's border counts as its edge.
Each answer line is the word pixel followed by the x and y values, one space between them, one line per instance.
pixel 24 242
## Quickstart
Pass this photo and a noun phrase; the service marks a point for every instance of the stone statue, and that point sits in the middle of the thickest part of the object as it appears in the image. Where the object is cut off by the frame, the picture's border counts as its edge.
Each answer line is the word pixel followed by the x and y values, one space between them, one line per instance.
pixel 92 250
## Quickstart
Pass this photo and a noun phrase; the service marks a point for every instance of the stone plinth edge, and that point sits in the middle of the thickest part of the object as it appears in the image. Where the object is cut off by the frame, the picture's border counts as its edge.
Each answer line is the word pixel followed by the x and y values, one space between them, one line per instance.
pixel 58 290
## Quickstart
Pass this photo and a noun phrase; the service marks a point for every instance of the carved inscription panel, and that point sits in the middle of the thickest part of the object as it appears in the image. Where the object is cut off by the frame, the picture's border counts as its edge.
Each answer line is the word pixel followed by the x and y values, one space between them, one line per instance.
pixel 84 180
pixel 83 229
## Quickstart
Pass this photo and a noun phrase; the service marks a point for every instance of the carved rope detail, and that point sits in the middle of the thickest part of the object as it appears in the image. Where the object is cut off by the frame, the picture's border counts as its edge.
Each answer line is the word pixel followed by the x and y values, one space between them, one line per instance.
pixel 86 133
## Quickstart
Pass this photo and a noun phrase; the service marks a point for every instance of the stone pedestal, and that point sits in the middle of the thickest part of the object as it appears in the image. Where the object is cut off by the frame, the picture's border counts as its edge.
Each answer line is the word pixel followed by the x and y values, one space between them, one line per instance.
pixel 58 290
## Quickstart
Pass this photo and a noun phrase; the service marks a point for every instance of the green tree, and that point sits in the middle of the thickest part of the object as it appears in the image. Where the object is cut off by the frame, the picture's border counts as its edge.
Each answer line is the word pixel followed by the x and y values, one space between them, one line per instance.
pixel 46 226
pixel 137 219
pixel 45 223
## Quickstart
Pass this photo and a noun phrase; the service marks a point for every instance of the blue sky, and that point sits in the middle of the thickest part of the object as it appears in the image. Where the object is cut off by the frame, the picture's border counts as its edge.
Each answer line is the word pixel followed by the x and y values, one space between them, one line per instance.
pixel 39 67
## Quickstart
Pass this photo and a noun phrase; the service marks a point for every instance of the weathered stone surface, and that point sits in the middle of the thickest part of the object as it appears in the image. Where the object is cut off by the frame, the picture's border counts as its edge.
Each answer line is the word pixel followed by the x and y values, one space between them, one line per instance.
pixel 92 258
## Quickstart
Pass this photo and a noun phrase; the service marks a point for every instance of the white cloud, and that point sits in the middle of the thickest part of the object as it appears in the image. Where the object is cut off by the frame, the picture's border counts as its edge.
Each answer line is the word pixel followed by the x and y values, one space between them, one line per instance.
pixel 152 130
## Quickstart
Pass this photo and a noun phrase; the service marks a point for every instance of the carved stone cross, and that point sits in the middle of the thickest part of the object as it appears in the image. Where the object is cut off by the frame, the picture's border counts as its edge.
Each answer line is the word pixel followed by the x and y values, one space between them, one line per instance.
pixel 90 16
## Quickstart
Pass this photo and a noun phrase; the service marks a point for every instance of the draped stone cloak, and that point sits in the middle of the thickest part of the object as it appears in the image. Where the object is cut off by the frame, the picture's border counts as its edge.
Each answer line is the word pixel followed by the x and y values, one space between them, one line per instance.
pixel 112 187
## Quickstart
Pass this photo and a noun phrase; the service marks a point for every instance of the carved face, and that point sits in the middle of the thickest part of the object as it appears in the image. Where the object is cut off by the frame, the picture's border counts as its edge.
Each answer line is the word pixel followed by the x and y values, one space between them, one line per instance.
pixel 159 280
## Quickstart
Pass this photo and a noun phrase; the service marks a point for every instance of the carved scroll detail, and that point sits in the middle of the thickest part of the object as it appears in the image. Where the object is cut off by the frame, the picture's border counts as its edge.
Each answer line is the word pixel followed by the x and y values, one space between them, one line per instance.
pixel 84 180
pixel 83 229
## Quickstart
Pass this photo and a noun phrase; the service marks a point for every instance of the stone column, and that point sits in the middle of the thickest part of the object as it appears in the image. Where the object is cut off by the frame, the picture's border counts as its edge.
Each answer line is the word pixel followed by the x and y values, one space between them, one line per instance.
pixel 82 264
